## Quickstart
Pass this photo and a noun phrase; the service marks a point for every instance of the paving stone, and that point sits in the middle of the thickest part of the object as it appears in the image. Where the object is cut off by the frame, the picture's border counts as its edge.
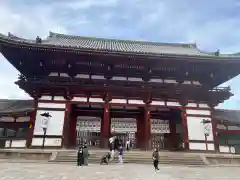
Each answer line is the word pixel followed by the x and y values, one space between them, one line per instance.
pixel 29 171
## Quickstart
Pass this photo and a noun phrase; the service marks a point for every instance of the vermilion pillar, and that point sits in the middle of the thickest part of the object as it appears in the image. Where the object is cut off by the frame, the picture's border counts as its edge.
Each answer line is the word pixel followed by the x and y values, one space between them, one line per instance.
pixel 173 135
pixel 72 130
pixel 147 132
pixel 67 122
pixel 215 135
pixel 32 121
pixel 140 131
pixel 185 128
pixel 105 126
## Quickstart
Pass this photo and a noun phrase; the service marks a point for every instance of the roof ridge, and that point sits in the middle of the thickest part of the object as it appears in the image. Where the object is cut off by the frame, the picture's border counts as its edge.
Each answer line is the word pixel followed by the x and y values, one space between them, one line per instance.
pixel 186 45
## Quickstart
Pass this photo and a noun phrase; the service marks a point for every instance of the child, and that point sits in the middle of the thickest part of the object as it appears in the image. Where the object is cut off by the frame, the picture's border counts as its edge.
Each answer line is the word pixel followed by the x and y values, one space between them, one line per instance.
pixel 105 159
pixel 120 154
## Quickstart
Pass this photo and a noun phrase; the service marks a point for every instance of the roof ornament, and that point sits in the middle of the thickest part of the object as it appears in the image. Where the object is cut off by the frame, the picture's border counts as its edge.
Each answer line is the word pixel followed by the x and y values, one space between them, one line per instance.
pixel 217 53
pixel 38 40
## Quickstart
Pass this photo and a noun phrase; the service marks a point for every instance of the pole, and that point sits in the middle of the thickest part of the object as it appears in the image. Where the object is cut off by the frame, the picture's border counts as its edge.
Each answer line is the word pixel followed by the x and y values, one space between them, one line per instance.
pixel 44 137
pixel 206 141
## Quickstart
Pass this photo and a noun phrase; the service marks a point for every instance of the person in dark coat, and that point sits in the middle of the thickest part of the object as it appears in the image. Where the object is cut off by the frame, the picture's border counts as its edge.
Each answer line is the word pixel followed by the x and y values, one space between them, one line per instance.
pixel 105 159
pixel 155 157
pixel 85 155
pixel 80 158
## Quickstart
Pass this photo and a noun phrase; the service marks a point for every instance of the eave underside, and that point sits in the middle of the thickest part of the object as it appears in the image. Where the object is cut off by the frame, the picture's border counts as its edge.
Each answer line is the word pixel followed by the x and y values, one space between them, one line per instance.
pixel 44 61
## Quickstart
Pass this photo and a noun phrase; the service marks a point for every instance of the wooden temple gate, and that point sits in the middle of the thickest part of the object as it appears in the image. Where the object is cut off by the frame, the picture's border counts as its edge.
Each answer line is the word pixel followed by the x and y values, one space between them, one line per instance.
pixel 112 76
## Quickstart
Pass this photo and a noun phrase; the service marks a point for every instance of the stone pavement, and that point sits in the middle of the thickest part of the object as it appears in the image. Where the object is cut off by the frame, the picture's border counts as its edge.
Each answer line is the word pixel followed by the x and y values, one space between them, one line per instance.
pixel 29 171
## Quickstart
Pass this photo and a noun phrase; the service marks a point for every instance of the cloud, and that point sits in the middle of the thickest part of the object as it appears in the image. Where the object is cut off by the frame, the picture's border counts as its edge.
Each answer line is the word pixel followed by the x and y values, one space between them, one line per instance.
pixel 211 24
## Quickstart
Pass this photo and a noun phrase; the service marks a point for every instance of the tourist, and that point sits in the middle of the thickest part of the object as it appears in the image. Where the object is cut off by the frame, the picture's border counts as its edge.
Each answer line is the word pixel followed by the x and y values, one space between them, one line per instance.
pixel 128 145
pixel 85 155
pixel 155 157
pixel 120 154
pixel 112 146
pixel 80 158
pixel 105 159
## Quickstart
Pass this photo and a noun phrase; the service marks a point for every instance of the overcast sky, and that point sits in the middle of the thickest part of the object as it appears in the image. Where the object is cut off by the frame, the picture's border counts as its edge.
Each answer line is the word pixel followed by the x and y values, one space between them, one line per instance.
pixel 212 24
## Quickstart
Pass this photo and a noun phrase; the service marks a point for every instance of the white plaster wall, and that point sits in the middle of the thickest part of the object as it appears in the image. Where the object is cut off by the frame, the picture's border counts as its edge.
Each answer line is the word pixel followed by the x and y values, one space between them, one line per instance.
pixel 80 99
pixel 233 128
pixel 191 105
pixel 23 119
pixel 211 147
pixel 158 103
pixel 18 143
pixel 224 149
pixel 45 98
pixel 55 125
pixel 196 129
pixel 37 141
pixel 198 112
pixel 51 105
pixel 59 98
pixel 203 105
pixel 6 119
pixel 132 101
pixel 119 101
pixel 173 104
pixel 53 142
pixel 96 100
pixel 197 146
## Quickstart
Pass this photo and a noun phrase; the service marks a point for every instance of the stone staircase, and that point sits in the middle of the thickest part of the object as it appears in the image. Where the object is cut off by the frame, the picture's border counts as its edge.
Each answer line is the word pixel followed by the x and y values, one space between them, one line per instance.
pixel 139 157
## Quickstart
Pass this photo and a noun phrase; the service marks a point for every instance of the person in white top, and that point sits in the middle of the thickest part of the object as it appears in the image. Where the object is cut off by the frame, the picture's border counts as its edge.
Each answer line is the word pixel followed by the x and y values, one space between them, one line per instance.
pixel 128 145
pixel 111 146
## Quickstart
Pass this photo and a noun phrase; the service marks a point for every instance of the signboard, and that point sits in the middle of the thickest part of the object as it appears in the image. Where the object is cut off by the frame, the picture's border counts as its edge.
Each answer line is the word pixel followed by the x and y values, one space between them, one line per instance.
pixel 159 126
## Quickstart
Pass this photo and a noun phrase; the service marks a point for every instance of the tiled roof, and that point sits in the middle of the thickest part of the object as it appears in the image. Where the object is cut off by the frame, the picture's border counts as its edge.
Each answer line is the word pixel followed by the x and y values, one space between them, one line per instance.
pixel 230 116
pixel 15 106
pixel 114 45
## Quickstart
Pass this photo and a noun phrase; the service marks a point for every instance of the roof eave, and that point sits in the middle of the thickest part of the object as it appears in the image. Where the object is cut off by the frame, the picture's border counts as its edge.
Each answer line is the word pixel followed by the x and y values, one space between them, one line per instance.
pixel 116 53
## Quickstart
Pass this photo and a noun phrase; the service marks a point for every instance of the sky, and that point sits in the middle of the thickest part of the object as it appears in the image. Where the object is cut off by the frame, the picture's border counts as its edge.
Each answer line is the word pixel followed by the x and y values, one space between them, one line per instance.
pixel 211 25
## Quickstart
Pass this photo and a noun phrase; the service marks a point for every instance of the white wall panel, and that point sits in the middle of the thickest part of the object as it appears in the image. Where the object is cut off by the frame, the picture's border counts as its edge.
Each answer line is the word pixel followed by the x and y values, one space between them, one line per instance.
pixel 37 141
pixel 80 99
pixel 233 128
pixel 100 100
pixel 224 149
pixel 192 105
pixel 203 105
pixel 173 104
pixel 211 147
pixel 59 98
pixel 119 101
pixel 132 101
pixel 158 103
pixel 197 146
pixel 53 142
pixel 196 129
pixel 23 119
pixel 198 112
pixel 51 105
pixel 55 125
pixel 18 143
pixel 45 98
pixel 7 119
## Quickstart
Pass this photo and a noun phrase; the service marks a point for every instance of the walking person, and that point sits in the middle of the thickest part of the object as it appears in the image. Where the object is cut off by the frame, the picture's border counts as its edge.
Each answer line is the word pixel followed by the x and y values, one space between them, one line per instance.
pixel 155 157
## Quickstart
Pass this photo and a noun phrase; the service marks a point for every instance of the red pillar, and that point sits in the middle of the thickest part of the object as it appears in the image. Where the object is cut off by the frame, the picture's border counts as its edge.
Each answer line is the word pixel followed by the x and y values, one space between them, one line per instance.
pixel 67 121
pixel 185 128
pixel 147 132
pixel 173 134
pixel 105 127
pixel 32 121
pixel 72 131
pixel 140 131
pixel 215 135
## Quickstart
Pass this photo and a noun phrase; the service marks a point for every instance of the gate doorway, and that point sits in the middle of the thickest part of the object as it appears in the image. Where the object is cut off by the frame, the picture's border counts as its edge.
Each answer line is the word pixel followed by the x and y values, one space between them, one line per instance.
pixel 88 131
